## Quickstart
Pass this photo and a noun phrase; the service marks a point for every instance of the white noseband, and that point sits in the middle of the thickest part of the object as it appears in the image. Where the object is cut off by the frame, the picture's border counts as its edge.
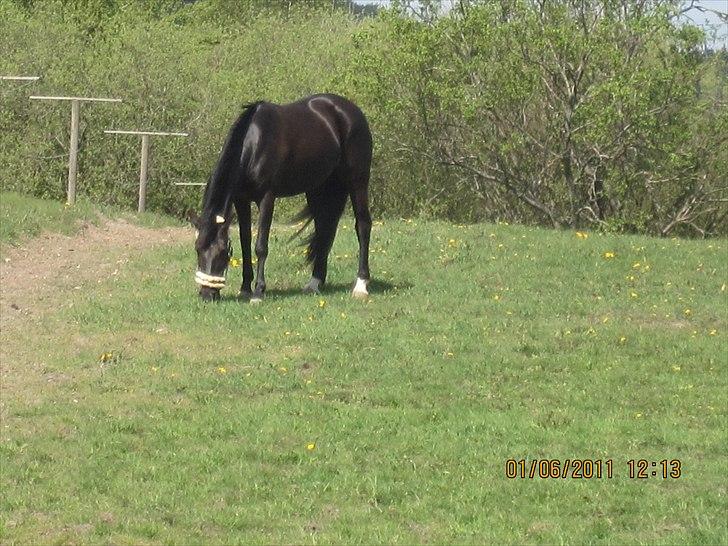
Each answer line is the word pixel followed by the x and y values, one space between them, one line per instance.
pixel 211 281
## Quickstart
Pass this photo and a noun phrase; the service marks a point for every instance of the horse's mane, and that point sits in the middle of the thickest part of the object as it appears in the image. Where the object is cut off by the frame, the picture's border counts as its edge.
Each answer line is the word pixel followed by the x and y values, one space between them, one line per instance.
pixel 219 186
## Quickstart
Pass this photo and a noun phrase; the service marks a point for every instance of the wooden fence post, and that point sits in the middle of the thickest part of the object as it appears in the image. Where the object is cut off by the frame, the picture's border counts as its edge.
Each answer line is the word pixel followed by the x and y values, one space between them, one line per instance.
pixel 73 149
pixel 144 169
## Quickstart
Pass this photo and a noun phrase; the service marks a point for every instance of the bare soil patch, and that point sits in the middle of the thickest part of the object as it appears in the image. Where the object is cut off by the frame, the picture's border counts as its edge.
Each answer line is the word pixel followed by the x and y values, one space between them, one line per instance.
pixel 44 271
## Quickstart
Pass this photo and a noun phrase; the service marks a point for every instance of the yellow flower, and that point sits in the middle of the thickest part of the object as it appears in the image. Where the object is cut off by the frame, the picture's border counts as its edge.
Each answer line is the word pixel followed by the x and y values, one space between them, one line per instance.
pixel 622 339
pixel 234 262
pixel 713 332
pixel 582 235
pixel 311 446
pixel 676 368
pixel 322 303
pixel 636 265
pixel 221 370
pixel 688 312
pixel 633 295
pixel 496 297
pixel 609 254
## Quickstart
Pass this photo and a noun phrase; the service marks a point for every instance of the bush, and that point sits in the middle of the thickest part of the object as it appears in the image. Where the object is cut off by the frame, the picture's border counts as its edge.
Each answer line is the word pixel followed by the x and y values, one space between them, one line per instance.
pixel 565 114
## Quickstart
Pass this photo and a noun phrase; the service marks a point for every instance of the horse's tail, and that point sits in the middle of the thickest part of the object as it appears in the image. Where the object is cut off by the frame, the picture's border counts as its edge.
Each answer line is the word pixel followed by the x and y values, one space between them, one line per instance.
pixel 325 205
pixel 229 165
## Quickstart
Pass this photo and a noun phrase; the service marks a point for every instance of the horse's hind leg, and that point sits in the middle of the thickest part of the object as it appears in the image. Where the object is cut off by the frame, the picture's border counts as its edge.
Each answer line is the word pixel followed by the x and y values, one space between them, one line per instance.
pixel 326 204
pixel 360 204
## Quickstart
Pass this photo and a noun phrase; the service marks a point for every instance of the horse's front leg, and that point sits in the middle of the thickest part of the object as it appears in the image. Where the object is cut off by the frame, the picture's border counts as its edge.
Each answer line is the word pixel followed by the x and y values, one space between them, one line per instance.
pixel 265 217
pixel 242 206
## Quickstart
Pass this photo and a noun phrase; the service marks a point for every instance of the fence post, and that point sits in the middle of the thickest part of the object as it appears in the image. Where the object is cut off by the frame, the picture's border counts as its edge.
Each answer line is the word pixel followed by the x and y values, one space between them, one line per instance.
pixel 144 169
pixel 73 152
pixel 143 174
pixel 73 148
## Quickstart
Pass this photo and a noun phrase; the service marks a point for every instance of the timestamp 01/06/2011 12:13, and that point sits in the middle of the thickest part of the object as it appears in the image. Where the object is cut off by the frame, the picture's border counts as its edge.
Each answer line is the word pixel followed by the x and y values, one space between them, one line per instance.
pixel 591 468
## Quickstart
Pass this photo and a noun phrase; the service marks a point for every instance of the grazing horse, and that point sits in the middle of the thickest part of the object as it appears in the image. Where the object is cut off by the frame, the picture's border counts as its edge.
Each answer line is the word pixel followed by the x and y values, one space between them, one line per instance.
pixel 321 146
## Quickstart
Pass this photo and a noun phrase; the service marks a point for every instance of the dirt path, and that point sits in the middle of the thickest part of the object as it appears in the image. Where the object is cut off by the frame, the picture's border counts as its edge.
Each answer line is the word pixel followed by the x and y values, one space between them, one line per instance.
pixel 44 272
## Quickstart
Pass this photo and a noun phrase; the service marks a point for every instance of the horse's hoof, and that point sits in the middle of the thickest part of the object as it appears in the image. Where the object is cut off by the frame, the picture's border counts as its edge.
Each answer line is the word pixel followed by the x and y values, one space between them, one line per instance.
pixel 256 300
pixel 245 295
pixel 360 289
pixel 312 287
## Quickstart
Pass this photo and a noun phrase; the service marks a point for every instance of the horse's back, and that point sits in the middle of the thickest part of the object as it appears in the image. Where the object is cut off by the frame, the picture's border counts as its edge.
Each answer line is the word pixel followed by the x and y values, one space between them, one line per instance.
pixel 297 146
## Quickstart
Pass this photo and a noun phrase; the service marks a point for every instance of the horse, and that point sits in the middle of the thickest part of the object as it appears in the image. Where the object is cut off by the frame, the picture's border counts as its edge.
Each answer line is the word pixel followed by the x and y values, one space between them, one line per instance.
pixel 320 145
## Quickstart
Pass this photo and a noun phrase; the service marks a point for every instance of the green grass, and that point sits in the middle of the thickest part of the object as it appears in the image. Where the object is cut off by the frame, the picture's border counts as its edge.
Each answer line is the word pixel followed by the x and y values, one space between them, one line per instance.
pixel 22 216
pixel 479 344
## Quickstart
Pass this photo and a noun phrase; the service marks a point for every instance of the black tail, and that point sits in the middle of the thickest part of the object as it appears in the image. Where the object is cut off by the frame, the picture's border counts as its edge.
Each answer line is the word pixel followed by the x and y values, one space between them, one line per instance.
pixel 228 166
pixel 324 207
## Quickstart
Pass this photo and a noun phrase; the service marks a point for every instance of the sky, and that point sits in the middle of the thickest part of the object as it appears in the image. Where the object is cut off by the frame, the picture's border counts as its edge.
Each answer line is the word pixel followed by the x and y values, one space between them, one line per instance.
pixel 706 19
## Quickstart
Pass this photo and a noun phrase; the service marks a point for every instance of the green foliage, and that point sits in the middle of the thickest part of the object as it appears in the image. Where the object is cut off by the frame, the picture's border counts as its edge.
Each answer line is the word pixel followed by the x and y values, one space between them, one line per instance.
pixel 600 114
pixel 184 71
pixel 569 114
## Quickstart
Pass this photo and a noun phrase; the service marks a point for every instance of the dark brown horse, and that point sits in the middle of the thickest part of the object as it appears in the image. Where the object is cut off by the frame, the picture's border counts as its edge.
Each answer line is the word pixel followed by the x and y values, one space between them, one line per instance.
pixel 320 146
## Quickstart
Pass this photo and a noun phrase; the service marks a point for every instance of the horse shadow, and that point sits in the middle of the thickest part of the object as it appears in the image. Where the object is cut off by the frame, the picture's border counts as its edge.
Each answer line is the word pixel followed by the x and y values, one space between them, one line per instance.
pixel 376 287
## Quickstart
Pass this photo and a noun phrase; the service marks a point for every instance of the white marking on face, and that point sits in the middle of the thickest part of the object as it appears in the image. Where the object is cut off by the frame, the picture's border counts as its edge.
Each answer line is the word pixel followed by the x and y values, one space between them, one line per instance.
pixel 219 219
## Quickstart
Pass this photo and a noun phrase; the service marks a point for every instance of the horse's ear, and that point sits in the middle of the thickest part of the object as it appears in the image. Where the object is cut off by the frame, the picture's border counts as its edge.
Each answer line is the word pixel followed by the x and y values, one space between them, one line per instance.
pixel 193 218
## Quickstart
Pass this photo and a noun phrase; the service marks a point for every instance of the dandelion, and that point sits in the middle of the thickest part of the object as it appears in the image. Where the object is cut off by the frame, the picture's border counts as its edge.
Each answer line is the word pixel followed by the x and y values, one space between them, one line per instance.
pixel 106 357
pixel 713 332
pixel 676 368
pixel 608 255
pixel 221 370
pixel 582 235
pixel 636 265
pixel 687 312
pixel 622 340
pixel 311 446
pixel 633 295
pixel 637 415
pixel 283 369
pixel 496 297
pixel 322 303
pixel 234 262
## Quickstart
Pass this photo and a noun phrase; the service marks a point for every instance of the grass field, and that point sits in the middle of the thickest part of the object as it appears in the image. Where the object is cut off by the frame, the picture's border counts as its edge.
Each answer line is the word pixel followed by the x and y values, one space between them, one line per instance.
pixel 134 414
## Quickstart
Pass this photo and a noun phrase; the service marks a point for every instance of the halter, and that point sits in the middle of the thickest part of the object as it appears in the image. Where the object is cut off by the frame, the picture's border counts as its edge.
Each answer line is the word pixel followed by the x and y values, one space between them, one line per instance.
pixel 213 281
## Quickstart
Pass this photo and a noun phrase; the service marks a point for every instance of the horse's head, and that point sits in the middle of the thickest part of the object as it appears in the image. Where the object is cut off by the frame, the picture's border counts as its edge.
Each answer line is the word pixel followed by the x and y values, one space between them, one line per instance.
pixel 213 254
